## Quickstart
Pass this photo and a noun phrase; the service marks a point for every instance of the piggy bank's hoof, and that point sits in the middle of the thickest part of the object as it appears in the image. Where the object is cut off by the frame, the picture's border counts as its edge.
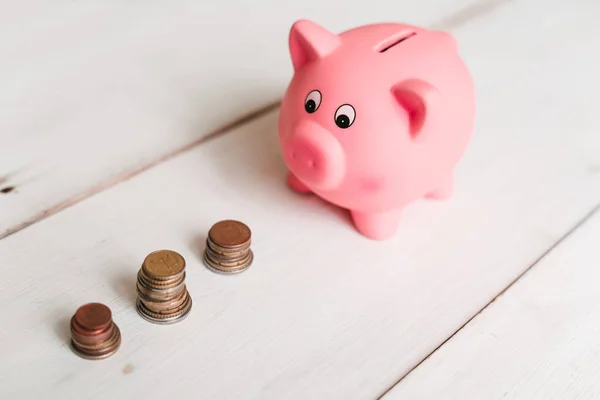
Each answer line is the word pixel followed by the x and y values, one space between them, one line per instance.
pixel 377 226
pixel 296 185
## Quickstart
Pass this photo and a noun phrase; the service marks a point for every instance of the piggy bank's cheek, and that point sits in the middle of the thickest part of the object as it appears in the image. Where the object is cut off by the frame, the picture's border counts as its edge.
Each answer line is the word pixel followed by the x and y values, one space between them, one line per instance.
pixel 374 184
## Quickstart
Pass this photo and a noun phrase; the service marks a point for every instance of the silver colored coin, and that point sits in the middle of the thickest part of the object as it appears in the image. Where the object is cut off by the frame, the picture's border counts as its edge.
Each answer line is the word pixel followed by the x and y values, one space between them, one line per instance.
pixel 163 321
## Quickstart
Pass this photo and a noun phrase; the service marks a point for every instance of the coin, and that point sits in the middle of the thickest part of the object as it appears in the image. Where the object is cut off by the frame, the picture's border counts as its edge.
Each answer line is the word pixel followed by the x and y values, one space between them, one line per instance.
pixel 235 262
pixel 165 306
pixel 163 264
pixel 93 317
pixel 230 233
pixel 164 283
pixel 225 256
pixel 144 285
pixel 113 344
pixel 159 296
pixel 228 247
pixel 106 343
pixel 161 290
pixel 94 335
pixel 89 337
pixel 162 319
pixel 220 268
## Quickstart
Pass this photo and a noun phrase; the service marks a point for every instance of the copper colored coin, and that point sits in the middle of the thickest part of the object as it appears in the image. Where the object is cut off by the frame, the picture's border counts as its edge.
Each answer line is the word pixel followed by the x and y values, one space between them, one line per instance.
pixel 221 257
pixel 230 233
pixel 101 345
pixel 163 264
pixel 160 294
pixel 161 306
pixel 167 313
pixel 93 317
pixel 105 351
pixel 75 327
pixel 160 284
pixel 158 297
pixel 232 263
pixel 96 355
pixel 227 251
pixel 163 319
pixel 83 336
pixel 98 341
pixel 91 340
pixel 220 268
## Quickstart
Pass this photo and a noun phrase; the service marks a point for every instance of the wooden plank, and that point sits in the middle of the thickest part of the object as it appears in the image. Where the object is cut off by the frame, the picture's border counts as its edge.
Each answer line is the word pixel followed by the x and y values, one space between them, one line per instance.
pixel 540 340
pixel 323 313
pixel 95 91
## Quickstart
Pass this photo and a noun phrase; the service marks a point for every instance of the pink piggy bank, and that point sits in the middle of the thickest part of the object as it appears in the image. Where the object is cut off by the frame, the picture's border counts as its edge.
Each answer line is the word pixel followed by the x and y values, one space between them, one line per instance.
pixel 375 118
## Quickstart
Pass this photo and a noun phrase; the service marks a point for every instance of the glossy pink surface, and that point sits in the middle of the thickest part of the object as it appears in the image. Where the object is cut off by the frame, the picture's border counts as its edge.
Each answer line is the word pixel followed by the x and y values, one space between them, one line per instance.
pixel 375 118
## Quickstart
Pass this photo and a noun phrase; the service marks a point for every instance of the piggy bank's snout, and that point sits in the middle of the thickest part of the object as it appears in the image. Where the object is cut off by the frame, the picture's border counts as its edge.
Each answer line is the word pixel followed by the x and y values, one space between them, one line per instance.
pixel 315 156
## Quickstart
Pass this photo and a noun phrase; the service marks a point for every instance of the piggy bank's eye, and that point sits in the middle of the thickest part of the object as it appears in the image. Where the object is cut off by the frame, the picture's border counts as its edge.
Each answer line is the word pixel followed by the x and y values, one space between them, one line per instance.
pixel 312 102
pixel 344 116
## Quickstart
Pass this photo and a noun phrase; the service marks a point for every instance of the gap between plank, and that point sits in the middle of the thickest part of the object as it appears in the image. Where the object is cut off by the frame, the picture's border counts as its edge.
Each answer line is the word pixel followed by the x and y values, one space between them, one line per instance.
pixel 104 185
pixel 577 225
pixel 454 20
pixel 469 13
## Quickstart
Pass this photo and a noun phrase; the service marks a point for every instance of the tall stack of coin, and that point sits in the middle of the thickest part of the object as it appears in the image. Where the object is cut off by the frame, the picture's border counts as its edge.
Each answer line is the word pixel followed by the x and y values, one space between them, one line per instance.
pixel 228 247
pixel 94 335
pixel 162 295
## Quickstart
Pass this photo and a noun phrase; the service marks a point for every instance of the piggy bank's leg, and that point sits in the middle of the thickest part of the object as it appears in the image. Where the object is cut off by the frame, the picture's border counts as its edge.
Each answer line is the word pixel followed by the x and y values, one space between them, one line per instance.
pixel 377 226
pixel 295 184
pixel 443 191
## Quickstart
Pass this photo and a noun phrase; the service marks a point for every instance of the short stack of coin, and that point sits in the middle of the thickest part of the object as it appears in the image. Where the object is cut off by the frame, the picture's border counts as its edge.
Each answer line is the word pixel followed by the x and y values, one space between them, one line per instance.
pixel 162 295
pixel 94 335
pixel 228 247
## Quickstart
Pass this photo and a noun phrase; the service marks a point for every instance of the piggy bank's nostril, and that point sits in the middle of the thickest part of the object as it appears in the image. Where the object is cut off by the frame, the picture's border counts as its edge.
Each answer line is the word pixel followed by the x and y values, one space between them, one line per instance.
pixel 294 155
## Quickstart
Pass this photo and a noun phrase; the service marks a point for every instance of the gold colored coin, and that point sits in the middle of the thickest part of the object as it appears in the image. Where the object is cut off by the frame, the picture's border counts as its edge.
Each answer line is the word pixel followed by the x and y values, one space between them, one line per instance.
pixel 160 284
pixel 224 257
pixel 159 296
pixel 219 267
pixel 163 264
pixel 165 318
pixel 230 233
pixel 164 306
pixel 227 252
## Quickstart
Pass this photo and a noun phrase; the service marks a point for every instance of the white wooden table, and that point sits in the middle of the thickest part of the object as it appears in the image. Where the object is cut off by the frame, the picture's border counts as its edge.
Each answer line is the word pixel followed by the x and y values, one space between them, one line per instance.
pixel 127 127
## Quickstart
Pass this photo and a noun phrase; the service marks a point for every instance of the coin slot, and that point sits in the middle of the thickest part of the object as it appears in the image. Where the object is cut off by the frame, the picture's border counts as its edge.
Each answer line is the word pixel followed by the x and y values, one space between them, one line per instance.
pixel 7 189
pixel 393 41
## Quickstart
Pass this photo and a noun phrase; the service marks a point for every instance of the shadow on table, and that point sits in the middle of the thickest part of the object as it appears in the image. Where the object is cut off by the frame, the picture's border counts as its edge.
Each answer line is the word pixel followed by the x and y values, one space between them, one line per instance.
pixel 197 245
pixel 124 284
pixel 62 327
pixel 249 159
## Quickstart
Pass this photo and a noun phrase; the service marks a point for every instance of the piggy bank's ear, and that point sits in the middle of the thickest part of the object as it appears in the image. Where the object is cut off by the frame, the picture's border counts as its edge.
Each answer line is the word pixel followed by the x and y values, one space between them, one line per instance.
pixel 309 41
pixel 423 104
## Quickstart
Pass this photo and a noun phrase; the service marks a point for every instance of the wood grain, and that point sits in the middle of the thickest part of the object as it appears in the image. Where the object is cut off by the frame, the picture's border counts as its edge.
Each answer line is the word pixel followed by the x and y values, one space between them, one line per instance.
pixel 540 340
pixel 323 313
pixel 95 92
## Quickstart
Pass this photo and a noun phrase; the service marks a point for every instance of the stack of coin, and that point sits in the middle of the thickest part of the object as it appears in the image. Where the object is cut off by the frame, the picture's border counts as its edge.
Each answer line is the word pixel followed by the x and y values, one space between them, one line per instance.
pixel 228 247
pixel 162 295
pixel 94 335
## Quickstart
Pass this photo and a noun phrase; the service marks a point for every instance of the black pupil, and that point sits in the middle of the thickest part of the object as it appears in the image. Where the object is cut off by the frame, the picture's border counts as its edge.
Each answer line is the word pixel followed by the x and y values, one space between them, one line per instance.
pixel 342 121
pixel 310 106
